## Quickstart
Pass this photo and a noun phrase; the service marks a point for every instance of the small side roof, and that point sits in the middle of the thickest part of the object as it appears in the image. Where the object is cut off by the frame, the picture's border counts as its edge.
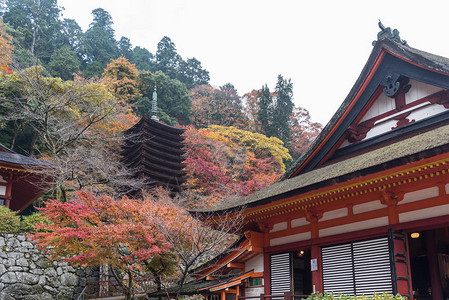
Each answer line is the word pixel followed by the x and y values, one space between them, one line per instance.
pixel 9 156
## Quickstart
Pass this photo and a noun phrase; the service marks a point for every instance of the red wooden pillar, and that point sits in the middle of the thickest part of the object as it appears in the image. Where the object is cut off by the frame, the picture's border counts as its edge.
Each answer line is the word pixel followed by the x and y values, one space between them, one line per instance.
pixel 223 295
pixel 266 274
pixel 432 257
pixel 8 192
pixel 317 276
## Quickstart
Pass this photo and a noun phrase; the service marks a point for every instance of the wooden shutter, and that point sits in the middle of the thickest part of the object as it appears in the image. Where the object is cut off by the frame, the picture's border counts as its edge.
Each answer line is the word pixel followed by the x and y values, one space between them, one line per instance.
pixel 372 269
pixel 280 273
pixel 357 268
pixel 338 273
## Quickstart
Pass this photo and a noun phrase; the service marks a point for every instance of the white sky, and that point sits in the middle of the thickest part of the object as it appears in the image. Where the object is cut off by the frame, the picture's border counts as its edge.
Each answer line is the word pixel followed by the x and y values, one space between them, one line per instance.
pixel 321 45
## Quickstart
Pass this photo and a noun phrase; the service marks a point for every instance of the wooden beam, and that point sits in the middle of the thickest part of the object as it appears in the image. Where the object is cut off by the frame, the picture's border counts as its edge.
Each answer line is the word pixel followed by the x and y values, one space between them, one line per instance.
pixel 236 265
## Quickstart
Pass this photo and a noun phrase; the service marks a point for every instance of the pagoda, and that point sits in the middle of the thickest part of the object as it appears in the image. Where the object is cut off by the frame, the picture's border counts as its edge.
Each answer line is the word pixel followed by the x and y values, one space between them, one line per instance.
pixel 155 152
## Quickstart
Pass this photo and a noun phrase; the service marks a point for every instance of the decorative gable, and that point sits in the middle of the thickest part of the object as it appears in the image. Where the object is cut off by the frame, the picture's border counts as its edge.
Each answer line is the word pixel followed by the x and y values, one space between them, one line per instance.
pixel 399 103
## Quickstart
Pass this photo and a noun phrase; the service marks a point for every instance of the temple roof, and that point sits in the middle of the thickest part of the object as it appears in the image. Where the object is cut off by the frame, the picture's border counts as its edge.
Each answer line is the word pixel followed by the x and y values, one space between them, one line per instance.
pixel 9 156
pixel 314 170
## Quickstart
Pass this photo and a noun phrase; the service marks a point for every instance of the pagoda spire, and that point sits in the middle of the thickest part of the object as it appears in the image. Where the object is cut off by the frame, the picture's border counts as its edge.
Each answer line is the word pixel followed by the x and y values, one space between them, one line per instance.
pixel 154 104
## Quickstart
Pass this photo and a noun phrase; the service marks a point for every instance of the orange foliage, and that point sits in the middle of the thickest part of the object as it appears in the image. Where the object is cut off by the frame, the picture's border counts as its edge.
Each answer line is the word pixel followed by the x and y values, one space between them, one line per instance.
pixel 5 50
pixel 303 130
pixel 101 230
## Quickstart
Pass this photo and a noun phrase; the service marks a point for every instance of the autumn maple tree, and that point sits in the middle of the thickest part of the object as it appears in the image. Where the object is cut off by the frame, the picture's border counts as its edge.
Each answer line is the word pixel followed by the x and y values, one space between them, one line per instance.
pixel 92 231
pixel 223 161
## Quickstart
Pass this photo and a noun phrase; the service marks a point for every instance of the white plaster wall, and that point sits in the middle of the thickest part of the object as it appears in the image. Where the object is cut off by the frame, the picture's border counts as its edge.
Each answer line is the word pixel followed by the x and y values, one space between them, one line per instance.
pixel 334 214
pixel 368 206
pixel 420 90
pixel 279 227
pixel 382 105
pixel 354 226
pixel 254 291
pixel 426 213
pixel 426 111
pixel 381 128
pixel 290 239
pixel 2 180
pixel 255 263
pixel 299 222
pixel 419 195
pixel 2 190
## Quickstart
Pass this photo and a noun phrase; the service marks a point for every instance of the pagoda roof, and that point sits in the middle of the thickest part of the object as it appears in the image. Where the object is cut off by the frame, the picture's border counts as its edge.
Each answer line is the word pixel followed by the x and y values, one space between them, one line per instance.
pixel 155 150
pixel 158 127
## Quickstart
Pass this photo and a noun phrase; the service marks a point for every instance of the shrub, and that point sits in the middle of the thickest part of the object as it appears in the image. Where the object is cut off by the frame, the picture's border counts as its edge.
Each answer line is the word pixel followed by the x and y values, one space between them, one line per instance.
pixel 28 223
pixel 10 221
pixel 330 296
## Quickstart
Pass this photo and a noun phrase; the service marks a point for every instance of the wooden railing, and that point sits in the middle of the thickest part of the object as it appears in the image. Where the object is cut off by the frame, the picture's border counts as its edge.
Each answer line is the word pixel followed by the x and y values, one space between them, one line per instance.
pixel 111 288
pixel 284 296
pixel 5 200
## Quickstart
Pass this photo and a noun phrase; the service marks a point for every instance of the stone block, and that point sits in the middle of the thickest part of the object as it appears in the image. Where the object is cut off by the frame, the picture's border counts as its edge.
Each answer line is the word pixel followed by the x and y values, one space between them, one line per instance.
pixel 51 272
pixel 37 271
pixel 21 237
pixel 22 262
pixel 5 296
pixel 27 278
pixel 69 279
pixel 27 245
pixel 13 243
pixel 8 277
pixel 9 262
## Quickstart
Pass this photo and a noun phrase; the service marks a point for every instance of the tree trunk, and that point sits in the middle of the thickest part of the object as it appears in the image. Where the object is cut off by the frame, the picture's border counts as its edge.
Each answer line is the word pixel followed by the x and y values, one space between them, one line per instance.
pixel 33 143
pixel 104 284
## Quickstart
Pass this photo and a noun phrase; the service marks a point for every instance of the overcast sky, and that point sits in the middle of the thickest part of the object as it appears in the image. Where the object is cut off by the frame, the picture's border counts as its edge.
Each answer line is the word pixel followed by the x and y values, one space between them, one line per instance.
pixel 321 45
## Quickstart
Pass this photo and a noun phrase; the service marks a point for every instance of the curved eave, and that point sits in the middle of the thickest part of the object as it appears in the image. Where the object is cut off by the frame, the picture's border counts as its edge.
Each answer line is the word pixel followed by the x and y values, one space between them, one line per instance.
pixel 162 177
pixel 132 161
pixel 172 133
pixel 142 150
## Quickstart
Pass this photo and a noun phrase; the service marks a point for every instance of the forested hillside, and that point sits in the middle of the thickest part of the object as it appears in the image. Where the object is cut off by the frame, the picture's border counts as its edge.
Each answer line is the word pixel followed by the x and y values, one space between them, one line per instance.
pixel 67 94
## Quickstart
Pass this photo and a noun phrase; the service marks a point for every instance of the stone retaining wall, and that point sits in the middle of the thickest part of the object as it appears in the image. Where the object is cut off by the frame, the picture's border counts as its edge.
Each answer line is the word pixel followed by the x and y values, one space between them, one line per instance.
pixel 25 273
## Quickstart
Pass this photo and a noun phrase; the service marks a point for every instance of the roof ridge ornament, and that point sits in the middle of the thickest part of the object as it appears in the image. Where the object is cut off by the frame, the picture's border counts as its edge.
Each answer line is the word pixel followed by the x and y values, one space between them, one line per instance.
pixel 387 33
pixel 154 104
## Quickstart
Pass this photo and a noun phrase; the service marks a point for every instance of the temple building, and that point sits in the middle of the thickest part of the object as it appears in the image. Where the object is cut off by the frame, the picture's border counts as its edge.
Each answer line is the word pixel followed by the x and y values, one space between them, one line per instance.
pixel 154 151
pixel 366 209
pixel 22 179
